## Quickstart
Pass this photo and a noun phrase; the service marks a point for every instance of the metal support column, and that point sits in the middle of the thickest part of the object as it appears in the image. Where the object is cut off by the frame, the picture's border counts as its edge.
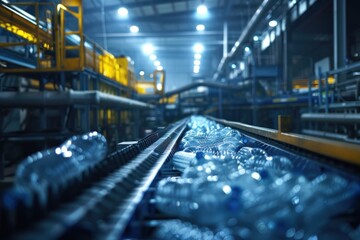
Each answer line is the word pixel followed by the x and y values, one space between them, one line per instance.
pixel 136 125
pixel 43 123
pixel 339 7
pixel 220 103
pixel 65 112
pixel 253 89
pixel 225 40
pixel 96 108
pixel 319 77
pixel 85 110
pixel 287 56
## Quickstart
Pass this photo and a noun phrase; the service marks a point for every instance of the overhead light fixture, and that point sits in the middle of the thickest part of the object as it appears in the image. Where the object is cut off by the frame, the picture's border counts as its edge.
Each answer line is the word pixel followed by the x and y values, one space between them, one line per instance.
pixel 247 49
pixel 202 10
pixel 134 29
pixel 196 70
pixel 200 27
pixel 123 12
pixel 256 38
pixel 233 66
pixel 152 57
pixel 159 68
pixel 159 86
pixel 197 56
pixel 142 73
pixel 273 23
pixel 148 48
pixel 198 48
pixel 157 63
pixel 197 62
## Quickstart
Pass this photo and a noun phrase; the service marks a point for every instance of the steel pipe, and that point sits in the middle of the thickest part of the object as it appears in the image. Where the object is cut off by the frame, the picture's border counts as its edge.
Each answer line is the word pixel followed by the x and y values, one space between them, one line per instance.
pixel 206 84
pixel 247 34
pixel 331 117
pixel 330 135
pixel 69 98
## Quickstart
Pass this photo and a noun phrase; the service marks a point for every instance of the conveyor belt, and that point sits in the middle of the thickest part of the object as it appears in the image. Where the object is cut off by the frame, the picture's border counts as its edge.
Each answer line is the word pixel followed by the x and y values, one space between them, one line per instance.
pixel 307 163
pixel 345 153
pixel 117 197
pixel 110 193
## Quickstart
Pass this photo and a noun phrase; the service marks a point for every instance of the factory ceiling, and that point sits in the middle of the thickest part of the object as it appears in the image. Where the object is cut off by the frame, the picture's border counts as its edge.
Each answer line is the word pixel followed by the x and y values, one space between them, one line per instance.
pixel 170 28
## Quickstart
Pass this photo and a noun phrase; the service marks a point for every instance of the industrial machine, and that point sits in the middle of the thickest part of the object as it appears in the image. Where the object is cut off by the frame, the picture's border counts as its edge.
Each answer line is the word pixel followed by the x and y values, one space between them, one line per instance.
pixel 115 199
pixel 55 82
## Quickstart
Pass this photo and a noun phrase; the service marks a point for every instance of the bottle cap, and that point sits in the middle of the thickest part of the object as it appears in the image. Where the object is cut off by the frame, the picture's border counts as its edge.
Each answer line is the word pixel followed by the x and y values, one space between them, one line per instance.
pixel 200 155
pixel 264 174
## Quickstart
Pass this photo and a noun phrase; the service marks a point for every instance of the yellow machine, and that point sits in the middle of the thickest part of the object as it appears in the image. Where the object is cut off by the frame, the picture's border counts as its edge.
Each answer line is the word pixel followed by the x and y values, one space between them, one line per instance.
pixel 58 48
pixel 154 86
pixel 41 46
pixel 299 84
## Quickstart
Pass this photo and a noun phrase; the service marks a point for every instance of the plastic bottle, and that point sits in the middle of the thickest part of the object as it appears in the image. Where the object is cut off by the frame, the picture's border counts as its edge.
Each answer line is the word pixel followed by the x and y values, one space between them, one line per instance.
pixel 43 169
pixel 326 196
pixel 173 196
pixel 279 163
pixel 256 195
pixel 91 148
pixel 51 169
pixel 213 198
pixel 182 159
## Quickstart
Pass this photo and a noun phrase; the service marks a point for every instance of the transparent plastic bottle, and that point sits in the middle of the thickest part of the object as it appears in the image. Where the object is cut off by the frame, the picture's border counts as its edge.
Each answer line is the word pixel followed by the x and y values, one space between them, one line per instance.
pixel 173 196
pixel 90 148
pixel 43 169
pixel 216 202
pixel 326 196
pixel 53 168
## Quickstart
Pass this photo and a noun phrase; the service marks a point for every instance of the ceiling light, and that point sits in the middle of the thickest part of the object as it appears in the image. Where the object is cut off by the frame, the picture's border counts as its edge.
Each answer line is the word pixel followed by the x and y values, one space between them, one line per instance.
pixel 233 66
pixel 142 73
pixel 198 48
pixel 148 48
pixel 197 62
pixel 159 68
pixel 202 9
pixel 134 29
pixel 200 27
pixel 197 56
pixel 273 23
pixel 157 63
pixel 152 57
pixel 247 49
pixel 159 86
pixel 256 38
pixel 123 12
pixel 197 68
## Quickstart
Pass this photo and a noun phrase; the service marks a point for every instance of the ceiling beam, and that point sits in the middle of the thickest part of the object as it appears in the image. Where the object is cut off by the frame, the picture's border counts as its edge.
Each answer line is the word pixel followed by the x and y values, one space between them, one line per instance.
pixel 114 7
pixel 153 5
pixel 216 13
pixel 165 34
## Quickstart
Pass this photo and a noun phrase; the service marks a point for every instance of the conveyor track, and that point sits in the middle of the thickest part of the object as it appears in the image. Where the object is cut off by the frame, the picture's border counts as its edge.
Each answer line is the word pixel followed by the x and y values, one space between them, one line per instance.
pixel 103 209
pixel 119 202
